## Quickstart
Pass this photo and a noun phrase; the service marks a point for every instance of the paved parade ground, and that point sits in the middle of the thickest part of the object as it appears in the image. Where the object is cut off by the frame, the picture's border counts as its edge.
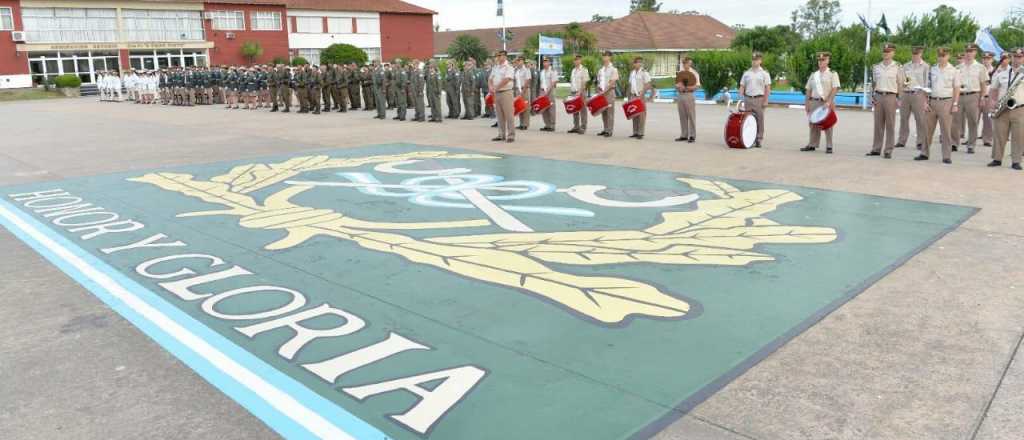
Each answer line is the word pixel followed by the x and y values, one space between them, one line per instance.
pixel 196 273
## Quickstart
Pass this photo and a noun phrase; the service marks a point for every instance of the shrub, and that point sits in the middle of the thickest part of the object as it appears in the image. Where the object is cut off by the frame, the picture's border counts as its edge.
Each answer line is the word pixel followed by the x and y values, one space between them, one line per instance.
pixel 251 50
pixel 299 61
pixel 68 80
pixel 280 60
pixel 343 54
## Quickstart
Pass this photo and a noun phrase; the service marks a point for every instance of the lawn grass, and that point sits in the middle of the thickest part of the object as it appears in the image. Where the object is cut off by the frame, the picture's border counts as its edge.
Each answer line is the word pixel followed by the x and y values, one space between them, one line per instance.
pixel 29 94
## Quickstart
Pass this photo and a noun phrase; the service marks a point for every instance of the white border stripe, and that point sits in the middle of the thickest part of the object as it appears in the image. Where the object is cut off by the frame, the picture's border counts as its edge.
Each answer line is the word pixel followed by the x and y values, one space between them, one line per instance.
pixel 279 400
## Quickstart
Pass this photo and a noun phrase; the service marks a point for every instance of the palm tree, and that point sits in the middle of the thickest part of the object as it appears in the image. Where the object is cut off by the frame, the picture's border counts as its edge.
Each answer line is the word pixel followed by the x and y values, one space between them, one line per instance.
pixel 579 39
pixel 465 46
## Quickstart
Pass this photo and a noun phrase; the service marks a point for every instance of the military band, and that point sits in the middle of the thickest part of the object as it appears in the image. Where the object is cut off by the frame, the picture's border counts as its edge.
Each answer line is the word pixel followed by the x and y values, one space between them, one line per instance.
pixel 980 95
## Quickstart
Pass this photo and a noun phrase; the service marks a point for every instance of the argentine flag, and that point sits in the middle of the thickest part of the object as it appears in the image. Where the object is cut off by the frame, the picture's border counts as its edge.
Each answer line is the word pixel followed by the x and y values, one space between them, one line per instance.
pixel 984 39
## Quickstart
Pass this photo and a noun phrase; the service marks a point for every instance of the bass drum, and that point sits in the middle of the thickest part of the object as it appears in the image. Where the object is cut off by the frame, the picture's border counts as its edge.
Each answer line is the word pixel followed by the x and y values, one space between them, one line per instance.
pixel 741 130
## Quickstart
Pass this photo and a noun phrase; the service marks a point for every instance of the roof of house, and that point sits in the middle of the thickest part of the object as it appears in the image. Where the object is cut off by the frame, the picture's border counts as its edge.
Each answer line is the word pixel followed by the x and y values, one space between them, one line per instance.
pixel 636 31
pixel 381 6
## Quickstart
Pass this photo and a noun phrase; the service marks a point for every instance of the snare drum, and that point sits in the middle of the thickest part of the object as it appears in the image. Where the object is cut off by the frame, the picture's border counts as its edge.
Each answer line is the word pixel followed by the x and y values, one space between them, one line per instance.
pixel 741 130
pixel 540 104
pixel 519 105
pixel 633 108
pixel 489 100
pixel 824 117
pixel 597 104
pixel 573 104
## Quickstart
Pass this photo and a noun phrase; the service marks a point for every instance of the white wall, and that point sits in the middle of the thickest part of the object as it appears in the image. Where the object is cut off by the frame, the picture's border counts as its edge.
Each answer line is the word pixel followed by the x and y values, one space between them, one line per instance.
pixel 320 41
pixel 15 81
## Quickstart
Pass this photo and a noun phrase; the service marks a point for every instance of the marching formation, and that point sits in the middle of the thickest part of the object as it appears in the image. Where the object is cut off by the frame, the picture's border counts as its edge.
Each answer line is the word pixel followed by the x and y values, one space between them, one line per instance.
pixel 956 100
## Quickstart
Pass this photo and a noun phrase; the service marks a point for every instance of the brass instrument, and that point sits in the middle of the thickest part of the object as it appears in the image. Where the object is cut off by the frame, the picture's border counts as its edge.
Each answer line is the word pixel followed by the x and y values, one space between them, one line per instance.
pixel 1007 102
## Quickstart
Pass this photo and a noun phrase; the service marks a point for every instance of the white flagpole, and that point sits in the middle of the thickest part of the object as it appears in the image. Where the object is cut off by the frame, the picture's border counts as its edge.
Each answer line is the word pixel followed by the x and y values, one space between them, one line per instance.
pixel 867 51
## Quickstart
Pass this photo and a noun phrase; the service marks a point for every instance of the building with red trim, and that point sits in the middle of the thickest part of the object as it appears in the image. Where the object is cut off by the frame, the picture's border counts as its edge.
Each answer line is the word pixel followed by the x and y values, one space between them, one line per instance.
pixel 44 38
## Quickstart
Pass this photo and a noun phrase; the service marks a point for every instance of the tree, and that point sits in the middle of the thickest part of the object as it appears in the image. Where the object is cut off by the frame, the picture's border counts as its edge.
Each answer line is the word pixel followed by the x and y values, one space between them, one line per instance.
pixel 644 5
pixel 467 46
pixel 816 18
pixel 251 50
pixel 299 61
pixel 776 39
pixel 578 39
pixel 1010 32
pixel 343 54
pixel 720 69
pixel 942 26
pixel 598 18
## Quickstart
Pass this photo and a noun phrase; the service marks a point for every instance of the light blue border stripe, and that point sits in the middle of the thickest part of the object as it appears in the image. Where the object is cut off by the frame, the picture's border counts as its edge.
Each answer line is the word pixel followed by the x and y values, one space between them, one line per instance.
pixel 281 423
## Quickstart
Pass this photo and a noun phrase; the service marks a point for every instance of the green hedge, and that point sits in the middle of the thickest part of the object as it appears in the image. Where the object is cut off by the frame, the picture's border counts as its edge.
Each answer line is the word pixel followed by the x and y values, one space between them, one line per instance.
pixel 299 61
pixel 67 81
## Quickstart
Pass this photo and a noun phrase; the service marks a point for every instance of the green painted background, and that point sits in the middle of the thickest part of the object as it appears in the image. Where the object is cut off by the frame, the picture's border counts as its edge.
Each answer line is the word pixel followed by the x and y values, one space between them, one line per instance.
pixel 551 374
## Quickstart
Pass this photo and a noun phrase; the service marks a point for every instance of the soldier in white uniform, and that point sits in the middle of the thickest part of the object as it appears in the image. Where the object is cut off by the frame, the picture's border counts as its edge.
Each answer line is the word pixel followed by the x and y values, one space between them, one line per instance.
pixel 755 88
pixel 944 82
pixel 821 90
pixel 607 78
pixel 914 98
pixel 1010 124
pixel 522 88
pixel 639 84
pixel 986 100
pixel 579 84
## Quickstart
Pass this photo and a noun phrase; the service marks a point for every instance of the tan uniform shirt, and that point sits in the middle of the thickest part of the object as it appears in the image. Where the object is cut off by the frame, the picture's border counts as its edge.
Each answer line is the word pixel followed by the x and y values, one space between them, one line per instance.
pixel 917 73
pixel 1001 83
pixel 943 80
pixel 754 81
pixel 606 76
pixel 580 78
pixel 887 77
pixel 548 80
pixel 499 73
pixel 973 75
pixel 523 78
pixel 821 85
pixel 638 80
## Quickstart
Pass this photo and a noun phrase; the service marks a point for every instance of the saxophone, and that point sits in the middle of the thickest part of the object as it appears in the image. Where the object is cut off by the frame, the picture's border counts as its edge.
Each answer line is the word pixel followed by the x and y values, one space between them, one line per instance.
pixel 1007 102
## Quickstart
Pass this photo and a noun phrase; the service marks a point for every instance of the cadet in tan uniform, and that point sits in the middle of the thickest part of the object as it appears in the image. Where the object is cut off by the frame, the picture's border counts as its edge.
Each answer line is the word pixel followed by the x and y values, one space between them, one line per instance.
pixel 914 100
pixel 522 88
pixel 944 82
pixel 987 102
pixel 548 81
pixel 685 102
pixel 755 88
pixel 974 86
pixel 607 78
pixel 889 82
pixel 1010 124
pixel 639 84
pixel 579 85
pixel 500 84
pixel 821 90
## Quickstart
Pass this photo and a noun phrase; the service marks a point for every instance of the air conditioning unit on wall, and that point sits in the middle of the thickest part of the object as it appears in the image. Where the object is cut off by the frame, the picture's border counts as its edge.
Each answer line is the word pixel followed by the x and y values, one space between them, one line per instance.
pixel 18 36
pixel 229 35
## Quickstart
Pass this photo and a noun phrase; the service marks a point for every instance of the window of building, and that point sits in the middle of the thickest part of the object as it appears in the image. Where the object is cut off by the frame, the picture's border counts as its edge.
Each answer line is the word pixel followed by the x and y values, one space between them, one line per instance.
pixel 372 53
pixel 154 25
pixel 309 25
pixel 311 55
pixel 69 25
pixel 46 66
pixel 6 19
pixel 266 21
pixel 339 25
pixel 368 25
pixel 228 20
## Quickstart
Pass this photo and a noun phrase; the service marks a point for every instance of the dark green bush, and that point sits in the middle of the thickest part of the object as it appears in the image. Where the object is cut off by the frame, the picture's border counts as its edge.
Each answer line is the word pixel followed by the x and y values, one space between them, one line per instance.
pixel 67 81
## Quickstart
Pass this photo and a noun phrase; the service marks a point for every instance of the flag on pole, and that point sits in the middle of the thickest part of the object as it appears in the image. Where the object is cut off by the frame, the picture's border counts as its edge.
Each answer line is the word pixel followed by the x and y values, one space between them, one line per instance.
pixel 984 39
pixel 883 25
pixel 501 9
pixel 549 46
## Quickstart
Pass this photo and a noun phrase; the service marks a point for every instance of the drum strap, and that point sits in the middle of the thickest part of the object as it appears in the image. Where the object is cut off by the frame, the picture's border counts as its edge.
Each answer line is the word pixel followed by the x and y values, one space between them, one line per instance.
pixel 817 84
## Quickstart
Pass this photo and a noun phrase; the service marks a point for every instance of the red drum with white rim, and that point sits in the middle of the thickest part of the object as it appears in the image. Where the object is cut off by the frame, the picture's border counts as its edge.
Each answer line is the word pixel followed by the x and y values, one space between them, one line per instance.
pixel 633 108
pixel 540 104
pixel 519 105
pixel 573 104
pixel 489 100
pixel 824 117
pixel 597 104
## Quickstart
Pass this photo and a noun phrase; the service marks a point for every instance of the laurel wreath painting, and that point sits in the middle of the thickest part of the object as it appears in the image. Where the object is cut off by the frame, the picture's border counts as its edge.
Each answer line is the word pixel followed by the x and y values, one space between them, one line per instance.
pixel 723 231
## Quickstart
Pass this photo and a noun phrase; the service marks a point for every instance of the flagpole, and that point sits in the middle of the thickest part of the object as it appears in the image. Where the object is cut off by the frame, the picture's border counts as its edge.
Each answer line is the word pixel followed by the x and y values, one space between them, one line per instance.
pixel 867 51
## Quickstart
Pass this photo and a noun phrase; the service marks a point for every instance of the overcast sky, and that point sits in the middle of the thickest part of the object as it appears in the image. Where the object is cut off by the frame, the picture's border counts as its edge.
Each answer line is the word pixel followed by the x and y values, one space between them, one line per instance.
pixel 469 14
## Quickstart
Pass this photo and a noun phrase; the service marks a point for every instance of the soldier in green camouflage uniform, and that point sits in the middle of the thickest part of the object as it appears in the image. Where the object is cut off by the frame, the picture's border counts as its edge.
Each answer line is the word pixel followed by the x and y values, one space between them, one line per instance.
pixel 401 92
pixel 273 84
pixel 468 88
pixel 354 86
pixel 433 80
pixel 389 89
pixel 314 83
pixel 340 91
pixel 300 88
pixel 330 82
pixel 453 83
pixel 367 82
pixel 378 90
pixel 416 90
